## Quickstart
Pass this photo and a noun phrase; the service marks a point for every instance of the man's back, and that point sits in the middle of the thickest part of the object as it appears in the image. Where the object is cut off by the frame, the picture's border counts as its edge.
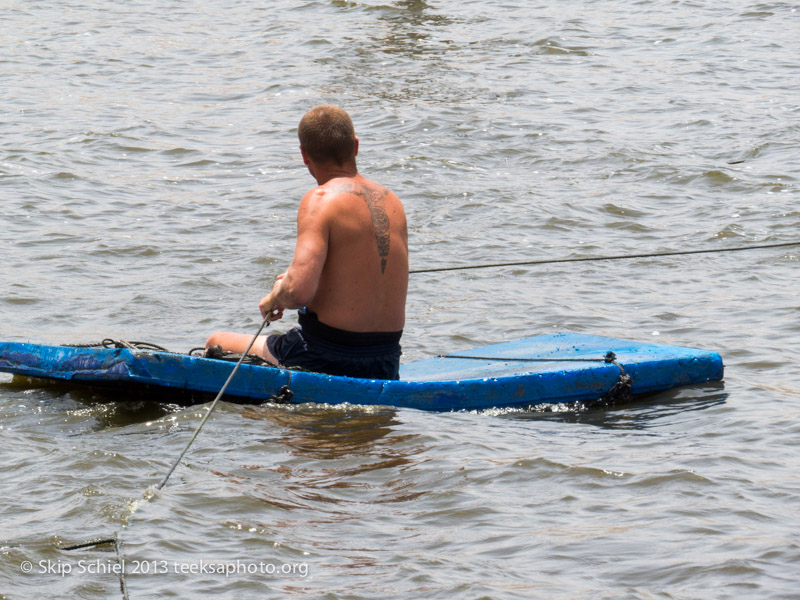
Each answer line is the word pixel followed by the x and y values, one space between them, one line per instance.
pixel 363 283
pixel 349 269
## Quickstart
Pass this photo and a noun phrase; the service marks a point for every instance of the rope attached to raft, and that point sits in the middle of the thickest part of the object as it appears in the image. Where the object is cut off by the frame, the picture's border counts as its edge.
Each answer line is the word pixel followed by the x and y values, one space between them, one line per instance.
pixel 214 352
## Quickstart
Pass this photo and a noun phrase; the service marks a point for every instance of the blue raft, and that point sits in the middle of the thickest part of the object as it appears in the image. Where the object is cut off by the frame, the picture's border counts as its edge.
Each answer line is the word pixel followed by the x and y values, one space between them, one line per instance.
pixel 555 368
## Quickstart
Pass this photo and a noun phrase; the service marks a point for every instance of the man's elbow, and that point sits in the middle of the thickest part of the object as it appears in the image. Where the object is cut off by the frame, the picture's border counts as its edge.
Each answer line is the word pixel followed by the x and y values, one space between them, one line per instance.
pixel 300 300
pixel 298 296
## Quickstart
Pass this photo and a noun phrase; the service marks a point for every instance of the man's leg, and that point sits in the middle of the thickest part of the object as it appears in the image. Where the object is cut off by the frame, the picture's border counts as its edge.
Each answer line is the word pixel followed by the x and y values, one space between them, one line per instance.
pixel 238 342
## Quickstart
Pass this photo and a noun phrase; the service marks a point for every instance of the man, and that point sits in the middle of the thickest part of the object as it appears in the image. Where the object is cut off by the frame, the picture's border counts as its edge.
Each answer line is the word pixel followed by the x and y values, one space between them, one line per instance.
pixel 349 273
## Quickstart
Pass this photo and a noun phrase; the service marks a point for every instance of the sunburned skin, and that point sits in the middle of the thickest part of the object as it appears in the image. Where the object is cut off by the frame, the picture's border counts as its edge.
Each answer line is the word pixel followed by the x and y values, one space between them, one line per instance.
pixel 375 200
pixel 363 282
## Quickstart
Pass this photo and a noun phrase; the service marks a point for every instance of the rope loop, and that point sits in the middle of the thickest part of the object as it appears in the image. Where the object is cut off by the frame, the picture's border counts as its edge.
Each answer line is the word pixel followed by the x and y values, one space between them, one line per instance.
pixel 111 343
pixel 282 396
pixel 620 391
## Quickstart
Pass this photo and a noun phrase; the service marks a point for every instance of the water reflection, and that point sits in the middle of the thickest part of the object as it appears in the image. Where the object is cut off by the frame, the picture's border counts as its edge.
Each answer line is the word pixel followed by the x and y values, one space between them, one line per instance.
pixel 328 432
pixel 338 456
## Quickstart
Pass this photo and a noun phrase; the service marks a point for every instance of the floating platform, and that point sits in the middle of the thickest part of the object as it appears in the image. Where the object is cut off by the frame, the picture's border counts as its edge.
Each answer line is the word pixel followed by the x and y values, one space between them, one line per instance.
pixel 563 367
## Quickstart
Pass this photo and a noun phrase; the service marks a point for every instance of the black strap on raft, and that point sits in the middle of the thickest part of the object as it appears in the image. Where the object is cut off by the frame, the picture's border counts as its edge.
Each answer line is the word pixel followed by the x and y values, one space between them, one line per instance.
pixel 619 392
pixel 218 353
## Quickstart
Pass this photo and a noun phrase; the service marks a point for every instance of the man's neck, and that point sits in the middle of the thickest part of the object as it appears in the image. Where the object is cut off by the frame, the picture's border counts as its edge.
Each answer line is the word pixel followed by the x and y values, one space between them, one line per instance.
pixel 325 172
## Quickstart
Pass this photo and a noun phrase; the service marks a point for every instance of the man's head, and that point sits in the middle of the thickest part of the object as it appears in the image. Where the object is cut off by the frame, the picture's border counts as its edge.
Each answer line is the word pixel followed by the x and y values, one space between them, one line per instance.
pixel 327 136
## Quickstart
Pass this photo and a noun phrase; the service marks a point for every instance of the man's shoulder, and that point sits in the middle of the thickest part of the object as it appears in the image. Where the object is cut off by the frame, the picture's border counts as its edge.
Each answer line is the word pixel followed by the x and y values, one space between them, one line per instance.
pixel 353 185
pixel 343 194
pixel 326 202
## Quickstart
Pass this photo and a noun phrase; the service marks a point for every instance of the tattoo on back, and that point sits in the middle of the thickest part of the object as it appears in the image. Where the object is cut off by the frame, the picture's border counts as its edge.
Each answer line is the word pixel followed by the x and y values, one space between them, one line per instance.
pixel 376 203
pixel 375 200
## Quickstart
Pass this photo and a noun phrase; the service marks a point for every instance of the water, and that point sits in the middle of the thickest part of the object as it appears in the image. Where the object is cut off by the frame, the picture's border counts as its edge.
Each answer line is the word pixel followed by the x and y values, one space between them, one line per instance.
pixel 149 176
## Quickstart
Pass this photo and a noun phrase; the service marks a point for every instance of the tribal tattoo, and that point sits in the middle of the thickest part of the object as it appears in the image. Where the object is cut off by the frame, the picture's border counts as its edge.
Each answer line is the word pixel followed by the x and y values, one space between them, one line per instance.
pixel 375 200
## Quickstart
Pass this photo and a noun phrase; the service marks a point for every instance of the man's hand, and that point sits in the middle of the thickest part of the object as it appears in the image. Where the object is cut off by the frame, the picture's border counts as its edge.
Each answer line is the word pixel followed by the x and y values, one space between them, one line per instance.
pixel 270 305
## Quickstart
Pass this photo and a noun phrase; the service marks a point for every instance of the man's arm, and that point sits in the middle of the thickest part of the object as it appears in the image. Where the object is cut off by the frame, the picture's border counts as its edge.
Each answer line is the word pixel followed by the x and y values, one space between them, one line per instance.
pixel 298 285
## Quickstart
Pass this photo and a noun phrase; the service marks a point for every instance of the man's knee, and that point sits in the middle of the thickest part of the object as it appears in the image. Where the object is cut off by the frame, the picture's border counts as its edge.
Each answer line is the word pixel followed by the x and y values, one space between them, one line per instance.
pixel 218 338
pixel 212 340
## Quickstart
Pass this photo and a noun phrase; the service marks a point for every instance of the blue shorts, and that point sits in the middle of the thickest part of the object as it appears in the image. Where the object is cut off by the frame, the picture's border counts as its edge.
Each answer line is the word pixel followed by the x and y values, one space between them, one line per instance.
pixel 321 348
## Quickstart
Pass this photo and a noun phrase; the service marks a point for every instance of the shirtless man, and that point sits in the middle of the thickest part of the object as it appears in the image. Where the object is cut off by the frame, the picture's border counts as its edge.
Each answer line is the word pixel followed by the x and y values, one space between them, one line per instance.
pixel 349 273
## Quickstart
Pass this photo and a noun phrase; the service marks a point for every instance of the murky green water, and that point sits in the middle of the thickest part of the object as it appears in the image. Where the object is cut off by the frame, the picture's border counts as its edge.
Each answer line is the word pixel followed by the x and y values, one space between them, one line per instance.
pixel 149 176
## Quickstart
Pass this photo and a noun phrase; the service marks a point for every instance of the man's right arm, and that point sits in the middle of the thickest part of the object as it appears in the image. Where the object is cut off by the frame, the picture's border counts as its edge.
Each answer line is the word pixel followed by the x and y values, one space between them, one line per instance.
pixel 298 286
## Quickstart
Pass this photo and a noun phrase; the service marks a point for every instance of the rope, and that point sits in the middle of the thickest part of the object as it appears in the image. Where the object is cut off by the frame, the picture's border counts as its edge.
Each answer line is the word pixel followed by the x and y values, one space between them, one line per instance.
pixel 264 323
pixel 215 352
pixel 109 343
pixel 120 560
pixel 599 258
pixel 117 549
pixel 519 359
pixel 284 394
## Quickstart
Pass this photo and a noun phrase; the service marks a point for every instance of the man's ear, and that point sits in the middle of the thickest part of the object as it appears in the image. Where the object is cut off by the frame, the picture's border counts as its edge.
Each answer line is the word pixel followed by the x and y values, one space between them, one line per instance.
pixel 355 148
pixel 305 156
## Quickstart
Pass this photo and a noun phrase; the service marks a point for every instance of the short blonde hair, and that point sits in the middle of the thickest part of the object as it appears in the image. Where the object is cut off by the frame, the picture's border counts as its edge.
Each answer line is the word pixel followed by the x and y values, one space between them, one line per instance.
pixel 327 135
